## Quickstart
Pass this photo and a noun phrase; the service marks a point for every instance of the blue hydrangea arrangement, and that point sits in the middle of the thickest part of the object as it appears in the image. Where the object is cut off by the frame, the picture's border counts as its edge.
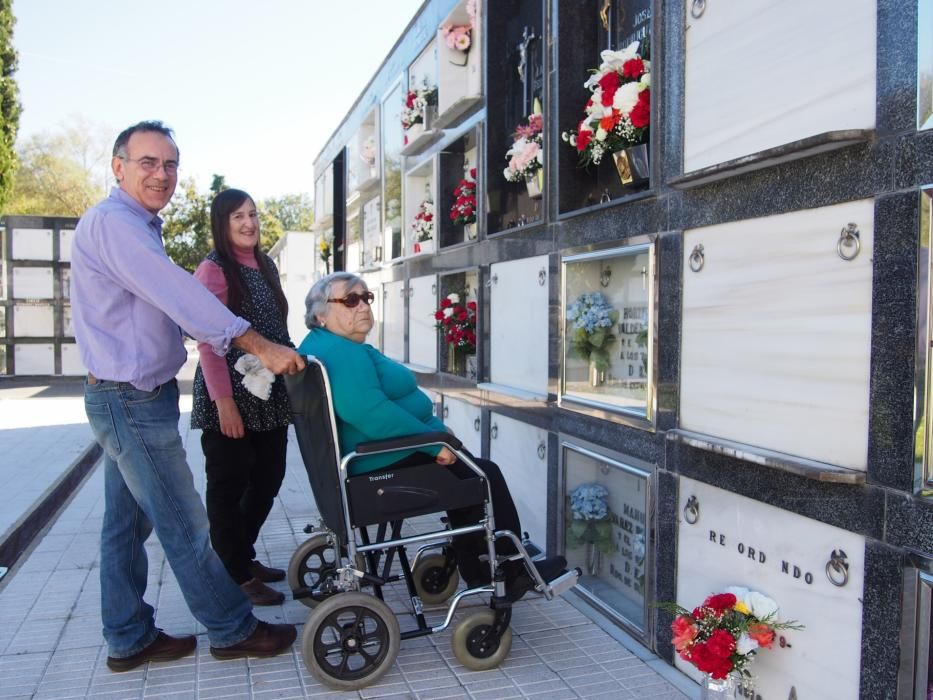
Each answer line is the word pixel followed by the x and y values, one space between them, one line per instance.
pixel 590 322
pixel 589 521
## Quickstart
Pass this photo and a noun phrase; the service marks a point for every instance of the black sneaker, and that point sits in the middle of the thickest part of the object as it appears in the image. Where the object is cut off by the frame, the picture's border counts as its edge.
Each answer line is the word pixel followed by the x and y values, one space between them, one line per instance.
pixel 520 584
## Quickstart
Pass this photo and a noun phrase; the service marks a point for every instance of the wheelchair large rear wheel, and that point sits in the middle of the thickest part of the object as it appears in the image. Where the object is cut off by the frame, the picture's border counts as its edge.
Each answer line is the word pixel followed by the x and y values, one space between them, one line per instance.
pixel 350 641
pixel 314 561
pixel 472 645
pixel 432 581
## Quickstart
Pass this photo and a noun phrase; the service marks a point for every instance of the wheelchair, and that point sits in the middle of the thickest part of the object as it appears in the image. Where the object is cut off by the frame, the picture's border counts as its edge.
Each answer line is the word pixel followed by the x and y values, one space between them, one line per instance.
pixel 352 636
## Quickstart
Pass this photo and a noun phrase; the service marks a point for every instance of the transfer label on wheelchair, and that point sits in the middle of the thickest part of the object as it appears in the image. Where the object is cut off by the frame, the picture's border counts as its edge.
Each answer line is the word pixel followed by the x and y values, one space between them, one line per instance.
pixel 382 477
pixel 416 604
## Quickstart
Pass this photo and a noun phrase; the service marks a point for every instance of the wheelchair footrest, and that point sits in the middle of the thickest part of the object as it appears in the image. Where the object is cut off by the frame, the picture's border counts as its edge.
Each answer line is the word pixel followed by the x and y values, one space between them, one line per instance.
pixel 564 582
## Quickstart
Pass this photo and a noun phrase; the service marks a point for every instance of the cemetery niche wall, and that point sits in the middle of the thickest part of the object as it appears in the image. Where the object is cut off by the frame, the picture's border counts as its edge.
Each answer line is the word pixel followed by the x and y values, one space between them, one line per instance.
pixel 750 233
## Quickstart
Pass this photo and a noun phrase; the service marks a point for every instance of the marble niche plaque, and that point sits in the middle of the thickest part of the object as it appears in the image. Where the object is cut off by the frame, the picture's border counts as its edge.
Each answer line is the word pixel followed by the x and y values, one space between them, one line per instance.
pixel 520 450
pixel 776 337
pixel 422 338
pixel 393 330
pixel 768 105
pixel 463 419
pixel 31 244
pixel 33 321
pixel 65 239
pixel 724 540
pixel 519 324
pixel 33 283
pixel 31 359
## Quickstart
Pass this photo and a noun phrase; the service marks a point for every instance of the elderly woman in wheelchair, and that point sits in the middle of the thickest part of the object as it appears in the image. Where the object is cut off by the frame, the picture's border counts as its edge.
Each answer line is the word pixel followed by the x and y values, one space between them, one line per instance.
pixel 375 455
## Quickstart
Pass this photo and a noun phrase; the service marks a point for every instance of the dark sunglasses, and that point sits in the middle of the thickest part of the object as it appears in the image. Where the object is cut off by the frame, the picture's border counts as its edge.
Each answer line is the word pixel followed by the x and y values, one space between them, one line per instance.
pixel 353 299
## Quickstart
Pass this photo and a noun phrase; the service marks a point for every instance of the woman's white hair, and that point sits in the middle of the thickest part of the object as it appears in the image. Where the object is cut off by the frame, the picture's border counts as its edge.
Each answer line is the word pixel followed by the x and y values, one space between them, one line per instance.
pixel 320 292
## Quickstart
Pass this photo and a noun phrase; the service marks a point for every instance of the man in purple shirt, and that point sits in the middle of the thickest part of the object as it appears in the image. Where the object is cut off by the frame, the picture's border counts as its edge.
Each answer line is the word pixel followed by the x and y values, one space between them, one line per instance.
pixel 131 305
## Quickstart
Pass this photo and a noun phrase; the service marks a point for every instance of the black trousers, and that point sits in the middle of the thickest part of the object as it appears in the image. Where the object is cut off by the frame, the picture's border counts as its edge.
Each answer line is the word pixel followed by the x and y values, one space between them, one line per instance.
pixel 243 479
pixel 468 548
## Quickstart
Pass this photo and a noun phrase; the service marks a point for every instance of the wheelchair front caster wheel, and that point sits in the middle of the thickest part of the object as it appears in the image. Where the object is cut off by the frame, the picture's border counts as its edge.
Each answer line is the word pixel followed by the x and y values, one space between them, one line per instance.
pixel 314 561
pixel 472 643
pixel 433 583
pixel 350 641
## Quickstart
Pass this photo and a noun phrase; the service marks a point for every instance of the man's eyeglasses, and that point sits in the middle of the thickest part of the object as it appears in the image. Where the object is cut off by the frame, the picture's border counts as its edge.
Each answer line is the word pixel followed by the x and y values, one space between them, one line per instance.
pixel 353 299
pixel 152 165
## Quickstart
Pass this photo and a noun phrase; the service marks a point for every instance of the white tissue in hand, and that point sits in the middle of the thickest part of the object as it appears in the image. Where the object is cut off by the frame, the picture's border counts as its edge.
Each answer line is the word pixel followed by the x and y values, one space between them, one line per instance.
pixel 256 378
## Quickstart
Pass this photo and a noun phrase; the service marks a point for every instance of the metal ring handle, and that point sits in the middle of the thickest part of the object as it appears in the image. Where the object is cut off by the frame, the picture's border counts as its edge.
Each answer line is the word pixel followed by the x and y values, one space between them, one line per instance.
pixel 605 196
pixel 494 432
pixel 542 450
pixel 697 9
pixel 446 411
pixel 542 277
pixel 692 510
pixel 434 288
pixel 492 280
pixel 697 258
pixel 848 239
pixel 837 568
pixel 476 424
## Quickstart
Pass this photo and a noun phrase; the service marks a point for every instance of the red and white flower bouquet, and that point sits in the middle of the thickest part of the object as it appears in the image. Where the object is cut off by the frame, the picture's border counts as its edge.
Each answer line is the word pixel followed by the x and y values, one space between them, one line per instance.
pixel 619 108
pixel 423 226
pixel 723 635
pixel 416 106
pixel 463 210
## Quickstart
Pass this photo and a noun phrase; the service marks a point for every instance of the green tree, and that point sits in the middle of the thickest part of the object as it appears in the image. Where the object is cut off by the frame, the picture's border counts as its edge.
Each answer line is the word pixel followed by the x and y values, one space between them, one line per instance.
pixel 9 102
pixel 290 212
pixel 187 228
pixel 62 173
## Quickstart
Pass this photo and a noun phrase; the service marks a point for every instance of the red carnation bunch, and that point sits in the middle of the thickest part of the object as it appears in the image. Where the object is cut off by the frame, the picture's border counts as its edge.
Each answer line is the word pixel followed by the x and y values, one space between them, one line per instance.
pixel 722 635
pixel 458 322
pixel 463 210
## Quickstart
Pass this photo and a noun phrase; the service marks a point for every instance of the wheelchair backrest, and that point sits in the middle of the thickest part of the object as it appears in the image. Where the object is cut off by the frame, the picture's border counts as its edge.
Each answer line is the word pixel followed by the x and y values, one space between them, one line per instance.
pixel 316 430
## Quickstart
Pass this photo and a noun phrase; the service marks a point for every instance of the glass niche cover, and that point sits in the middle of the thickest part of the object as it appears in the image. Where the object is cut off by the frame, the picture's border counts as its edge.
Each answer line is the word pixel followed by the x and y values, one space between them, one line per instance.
pixel 605 530
pixel 608 304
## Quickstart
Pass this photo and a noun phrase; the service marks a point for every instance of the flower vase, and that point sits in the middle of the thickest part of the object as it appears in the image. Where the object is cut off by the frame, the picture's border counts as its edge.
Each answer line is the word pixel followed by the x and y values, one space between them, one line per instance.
pixel 597 376
pixel 424 246
pixel 457 57
pixel 469 231
pixel 413 132
pixel 471 372
pixel 454 361
pixel 533 185
pixel 632 164
pixel 717 688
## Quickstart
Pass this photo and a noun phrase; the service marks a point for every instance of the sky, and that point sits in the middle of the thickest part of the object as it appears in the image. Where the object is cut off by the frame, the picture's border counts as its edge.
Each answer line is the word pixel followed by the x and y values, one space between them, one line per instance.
pixel 252 89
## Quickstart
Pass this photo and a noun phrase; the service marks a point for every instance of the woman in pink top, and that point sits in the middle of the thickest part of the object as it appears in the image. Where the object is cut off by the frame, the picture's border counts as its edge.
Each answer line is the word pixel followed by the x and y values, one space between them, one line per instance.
pixel 244 423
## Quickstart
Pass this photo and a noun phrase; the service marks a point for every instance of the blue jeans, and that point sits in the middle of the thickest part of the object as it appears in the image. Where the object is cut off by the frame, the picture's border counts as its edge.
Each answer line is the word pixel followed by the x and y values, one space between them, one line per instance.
pixel 148 485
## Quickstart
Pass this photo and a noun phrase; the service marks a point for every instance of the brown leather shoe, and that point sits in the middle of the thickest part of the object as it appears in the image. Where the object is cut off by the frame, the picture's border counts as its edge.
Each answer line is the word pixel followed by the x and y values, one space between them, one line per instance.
pixel 163 648
pixel 260 594
pixel 266 640
pixel 266 574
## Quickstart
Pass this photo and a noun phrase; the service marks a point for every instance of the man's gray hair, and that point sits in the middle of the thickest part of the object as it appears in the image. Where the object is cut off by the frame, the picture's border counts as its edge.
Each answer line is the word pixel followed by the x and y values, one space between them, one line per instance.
pixel 316 301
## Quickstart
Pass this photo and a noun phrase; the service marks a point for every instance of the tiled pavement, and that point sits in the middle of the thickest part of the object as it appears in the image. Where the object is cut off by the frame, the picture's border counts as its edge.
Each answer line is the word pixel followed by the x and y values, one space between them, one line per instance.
pixel 51 647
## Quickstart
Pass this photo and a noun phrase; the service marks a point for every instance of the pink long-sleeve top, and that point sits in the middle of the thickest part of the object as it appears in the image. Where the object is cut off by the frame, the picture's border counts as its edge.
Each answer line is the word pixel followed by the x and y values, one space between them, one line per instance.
pixel 214 367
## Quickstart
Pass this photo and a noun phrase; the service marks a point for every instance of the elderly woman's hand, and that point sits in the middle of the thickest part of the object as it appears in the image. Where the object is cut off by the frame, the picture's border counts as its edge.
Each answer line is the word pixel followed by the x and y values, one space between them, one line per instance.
pixel 445 457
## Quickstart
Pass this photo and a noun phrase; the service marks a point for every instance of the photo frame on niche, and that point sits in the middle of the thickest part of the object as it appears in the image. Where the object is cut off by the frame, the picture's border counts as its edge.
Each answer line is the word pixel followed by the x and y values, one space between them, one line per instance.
pixel 456 321
pixel 515 175
pixel 458 194
pixel 608 337
pixel 392 141
pixel 587 175
pixel 607 507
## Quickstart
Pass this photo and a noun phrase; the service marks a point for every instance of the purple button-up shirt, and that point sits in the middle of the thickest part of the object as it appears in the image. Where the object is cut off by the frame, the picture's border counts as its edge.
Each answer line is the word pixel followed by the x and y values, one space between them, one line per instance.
pixel 130 302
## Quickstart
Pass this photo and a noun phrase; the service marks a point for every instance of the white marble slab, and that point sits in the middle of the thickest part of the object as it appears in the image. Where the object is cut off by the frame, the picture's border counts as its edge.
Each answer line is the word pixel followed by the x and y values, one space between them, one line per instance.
pixel 66 237
pixel 463 419
pixel 33 283
pixel 34 359
pixel 422 336
pixel 71 360
pixel 519 324
pixel 747 90
pixel 393 333
pixel 31 244
pixel 514 446
pixel 33 321
pixel 741 542
pixel 776 334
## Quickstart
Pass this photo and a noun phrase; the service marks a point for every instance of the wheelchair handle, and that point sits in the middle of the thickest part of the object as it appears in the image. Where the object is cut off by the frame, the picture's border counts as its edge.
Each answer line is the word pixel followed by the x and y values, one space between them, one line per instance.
pixel 407 442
